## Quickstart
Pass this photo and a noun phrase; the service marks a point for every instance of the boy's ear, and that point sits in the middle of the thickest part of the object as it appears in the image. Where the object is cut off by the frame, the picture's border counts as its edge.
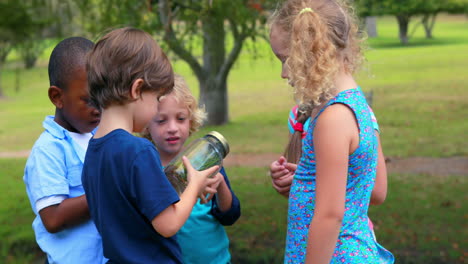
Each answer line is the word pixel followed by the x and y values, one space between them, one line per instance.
pixel 135 92
pixel 55 96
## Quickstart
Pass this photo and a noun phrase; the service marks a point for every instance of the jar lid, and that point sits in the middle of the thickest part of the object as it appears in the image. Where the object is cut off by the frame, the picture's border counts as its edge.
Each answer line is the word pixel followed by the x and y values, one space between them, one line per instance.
pixel 221 139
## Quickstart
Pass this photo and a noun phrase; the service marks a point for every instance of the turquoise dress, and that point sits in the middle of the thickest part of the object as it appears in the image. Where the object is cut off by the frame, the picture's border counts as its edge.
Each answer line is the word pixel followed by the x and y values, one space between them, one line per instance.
pixel 355 242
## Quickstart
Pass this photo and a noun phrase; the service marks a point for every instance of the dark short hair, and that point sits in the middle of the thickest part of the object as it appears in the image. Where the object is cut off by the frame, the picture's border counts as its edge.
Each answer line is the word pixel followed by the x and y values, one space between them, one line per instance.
pixel 67 56
pixel 118 59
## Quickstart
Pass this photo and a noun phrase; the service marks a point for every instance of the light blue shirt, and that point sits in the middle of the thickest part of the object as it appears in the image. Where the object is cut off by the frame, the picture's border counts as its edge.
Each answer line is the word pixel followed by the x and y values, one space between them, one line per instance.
pixel 54 168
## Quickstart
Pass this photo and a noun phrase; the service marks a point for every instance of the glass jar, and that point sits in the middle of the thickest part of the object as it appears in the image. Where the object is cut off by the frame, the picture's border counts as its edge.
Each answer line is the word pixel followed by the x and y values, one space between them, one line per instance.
pixel 202 153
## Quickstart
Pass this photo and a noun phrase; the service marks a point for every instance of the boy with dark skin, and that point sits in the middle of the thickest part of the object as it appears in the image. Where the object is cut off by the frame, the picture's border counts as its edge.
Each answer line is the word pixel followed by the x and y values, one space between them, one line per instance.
pixel 52 176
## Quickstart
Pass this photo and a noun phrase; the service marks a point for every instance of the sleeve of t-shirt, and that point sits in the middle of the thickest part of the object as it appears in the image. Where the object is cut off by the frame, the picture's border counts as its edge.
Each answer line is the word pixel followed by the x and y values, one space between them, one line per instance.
pixel 149 186
pixel 45 173
pixel 49 201
pixel 230 216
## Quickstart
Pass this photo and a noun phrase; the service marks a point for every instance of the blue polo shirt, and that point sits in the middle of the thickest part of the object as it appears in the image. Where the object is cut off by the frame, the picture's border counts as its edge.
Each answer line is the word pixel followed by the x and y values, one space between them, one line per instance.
pixel 54 168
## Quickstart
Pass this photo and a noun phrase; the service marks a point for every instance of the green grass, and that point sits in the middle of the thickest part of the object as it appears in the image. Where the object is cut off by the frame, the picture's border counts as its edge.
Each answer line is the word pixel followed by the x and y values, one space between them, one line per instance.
pixel 18 243
pixel 420 99
pixel 416 226
pixel 420 222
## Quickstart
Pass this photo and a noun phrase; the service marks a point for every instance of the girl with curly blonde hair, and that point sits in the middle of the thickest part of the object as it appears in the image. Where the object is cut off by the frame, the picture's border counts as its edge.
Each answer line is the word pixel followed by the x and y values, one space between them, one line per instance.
pixel 319 46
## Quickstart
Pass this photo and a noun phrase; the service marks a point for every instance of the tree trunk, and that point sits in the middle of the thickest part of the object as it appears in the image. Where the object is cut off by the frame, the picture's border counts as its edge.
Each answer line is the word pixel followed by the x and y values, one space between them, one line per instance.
pixel 213 87
pixel 30 61
pixel 1 87
pixel 403 21
pixel 4 50
pixel 428 22
pixel 213 96
pixel 371 26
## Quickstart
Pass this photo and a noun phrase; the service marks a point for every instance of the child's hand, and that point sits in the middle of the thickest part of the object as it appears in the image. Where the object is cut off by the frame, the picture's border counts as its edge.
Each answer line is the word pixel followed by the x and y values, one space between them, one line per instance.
pixel 198 178
pixel 281 173
pixel 211 188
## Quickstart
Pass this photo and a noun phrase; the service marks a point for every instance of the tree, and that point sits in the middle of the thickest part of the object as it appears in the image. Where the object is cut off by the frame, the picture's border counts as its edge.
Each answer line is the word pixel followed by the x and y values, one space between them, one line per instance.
pixel 222 27
pixel 47 24
pixel 404 10
pixel 15 24
pixel 24 24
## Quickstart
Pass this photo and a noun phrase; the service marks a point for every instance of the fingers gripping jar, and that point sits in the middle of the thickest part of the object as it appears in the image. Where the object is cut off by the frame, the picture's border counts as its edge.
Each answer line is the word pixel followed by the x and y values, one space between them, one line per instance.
pixel 202 153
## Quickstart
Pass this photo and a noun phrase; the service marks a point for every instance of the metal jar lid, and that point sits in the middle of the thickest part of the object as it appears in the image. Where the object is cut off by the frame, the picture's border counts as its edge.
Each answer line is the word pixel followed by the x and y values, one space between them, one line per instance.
pixel 221 139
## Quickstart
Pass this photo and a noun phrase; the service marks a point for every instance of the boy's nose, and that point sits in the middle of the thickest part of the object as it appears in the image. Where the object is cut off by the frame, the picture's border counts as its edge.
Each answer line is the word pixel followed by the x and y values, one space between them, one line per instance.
pixel 172 127
pixel 96 112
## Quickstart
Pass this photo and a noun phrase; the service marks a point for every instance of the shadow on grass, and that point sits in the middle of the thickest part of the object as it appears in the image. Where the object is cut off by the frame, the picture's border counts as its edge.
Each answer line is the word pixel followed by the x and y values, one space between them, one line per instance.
pixel 393 43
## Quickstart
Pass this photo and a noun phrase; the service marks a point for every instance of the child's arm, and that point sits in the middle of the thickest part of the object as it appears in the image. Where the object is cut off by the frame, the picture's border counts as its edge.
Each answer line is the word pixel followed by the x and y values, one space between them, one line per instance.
pixel 69 212
pixel 379 193
pixel 335 136
pixel 170 220
pixel 226 205
pixel 46 175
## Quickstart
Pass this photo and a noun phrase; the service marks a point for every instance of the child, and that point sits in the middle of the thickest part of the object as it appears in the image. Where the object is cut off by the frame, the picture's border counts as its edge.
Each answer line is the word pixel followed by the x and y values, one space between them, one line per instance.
pixel 317 43
pixel 282 170
pixel 202 238
pixel 136 210
pixel 52 174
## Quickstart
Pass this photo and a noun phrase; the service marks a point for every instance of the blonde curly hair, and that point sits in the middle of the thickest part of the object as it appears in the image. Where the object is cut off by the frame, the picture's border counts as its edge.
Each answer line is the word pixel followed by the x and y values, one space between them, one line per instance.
pixel 320 39
pixel 182 93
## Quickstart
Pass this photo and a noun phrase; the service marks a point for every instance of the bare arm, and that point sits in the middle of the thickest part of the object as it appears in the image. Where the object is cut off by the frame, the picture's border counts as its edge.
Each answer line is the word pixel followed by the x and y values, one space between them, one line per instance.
pixel 171 219
pixel 69 212
pixel 379 193
pixel 335 136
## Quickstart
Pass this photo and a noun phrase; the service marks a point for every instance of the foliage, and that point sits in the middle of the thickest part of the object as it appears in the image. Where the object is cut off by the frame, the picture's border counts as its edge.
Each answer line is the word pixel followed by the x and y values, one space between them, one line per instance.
pixel 23 26
pixel 404 10
pixel 425 80
pixel 180 25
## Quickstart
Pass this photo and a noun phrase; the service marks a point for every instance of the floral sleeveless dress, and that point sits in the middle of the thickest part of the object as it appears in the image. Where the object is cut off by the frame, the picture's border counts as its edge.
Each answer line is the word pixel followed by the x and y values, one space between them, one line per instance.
pixel 355 244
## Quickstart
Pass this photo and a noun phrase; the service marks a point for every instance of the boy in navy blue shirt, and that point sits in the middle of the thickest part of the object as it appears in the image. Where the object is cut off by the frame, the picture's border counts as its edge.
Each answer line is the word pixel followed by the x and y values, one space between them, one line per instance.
pixel 134 206
pixel 63 228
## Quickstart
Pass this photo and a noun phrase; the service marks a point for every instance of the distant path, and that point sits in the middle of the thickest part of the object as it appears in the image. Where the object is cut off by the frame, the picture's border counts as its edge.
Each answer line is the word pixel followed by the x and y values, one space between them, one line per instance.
pixel 15 154
pixel 413 165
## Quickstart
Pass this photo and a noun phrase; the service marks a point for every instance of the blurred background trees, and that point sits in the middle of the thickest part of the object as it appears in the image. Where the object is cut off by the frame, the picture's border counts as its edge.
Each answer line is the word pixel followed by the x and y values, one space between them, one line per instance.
pixel 208 35
pixel 405 10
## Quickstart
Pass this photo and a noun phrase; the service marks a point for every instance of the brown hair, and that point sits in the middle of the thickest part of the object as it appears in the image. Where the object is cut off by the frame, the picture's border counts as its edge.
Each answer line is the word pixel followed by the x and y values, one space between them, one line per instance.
pixel 121 57
pixel 293 150
pixel 321 35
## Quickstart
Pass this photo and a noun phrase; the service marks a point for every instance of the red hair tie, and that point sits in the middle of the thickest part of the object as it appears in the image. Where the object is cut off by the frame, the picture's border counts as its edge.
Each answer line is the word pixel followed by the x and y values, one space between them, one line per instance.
pixel 299 127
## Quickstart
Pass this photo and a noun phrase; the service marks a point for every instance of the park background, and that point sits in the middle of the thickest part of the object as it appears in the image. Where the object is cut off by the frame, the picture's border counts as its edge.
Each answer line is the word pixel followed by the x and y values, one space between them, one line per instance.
pixel 420 100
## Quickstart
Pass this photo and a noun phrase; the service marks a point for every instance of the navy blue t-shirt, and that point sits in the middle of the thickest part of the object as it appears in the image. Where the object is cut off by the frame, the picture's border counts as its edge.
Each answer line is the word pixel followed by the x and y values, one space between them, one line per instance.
pixel 126 188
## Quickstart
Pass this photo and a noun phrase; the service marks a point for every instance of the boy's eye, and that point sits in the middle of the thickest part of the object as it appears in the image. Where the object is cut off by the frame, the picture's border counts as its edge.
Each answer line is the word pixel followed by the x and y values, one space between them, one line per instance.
pixel 160 121
pixel 182 118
